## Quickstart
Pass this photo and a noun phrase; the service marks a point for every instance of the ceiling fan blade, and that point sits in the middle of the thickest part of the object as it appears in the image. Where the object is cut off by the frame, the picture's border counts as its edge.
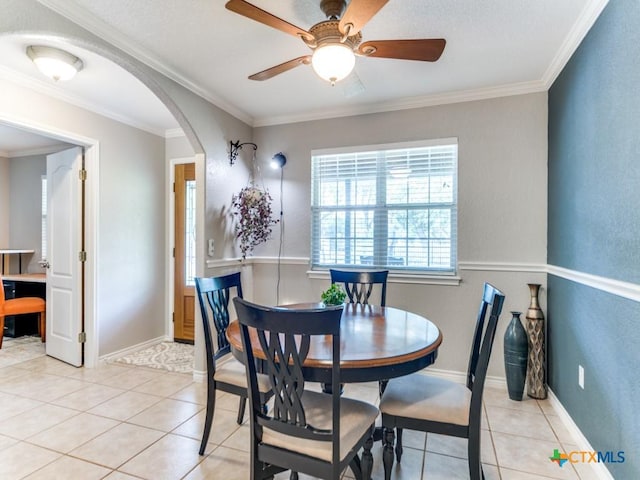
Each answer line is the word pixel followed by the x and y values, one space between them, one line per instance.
pixel 254 13
pixel 283 67
pixel 358 13
pixel 426 50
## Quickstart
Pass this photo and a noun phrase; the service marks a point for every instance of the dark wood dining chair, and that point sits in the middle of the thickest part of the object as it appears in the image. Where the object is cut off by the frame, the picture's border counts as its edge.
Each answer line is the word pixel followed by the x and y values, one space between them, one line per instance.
pixel 224 372
pixel 429 404
pixel 310 432
pixel 359 285
pixel 23 306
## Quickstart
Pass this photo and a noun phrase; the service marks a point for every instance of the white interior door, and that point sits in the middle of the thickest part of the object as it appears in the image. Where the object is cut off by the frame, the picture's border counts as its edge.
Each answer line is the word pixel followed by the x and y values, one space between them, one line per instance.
pixel 64 274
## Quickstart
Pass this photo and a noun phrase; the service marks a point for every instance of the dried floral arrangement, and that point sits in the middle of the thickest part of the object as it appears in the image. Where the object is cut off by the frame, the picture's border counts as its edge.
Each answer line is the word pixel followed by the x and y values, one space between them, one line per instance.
pixel 252 206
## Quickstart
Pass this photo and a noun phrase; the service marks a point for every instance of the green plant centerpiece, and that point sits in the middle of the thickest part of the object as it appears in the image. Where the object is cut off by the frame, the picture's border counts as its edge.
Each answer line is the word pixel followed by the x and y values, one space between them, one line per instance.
pixel 334 295
pixel 252 207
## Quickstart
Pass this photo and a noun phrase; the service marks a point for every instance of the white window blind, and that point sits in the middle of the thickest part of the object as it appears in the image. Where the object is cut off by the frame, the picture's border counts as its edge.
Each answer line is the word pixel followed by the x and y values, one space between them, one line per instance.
pixel 393 208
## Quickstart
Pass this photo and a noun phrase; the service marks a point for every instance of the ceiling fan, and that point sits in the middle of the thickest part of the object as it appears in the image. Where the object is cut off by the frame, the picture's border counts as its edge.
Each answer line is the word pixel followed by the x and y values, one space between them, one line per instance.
pixel 336 41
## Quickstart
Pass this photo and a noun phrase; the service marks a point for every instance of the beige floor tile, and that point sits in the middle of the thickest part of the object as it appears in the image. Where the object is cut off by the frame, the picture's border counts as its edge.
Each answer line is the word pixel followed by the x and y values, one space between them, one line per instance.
pixel 88 397
pixel 222 464
pixel 239 440
pixel 166 385
pixel 98 374
pixel 194 393
pixel 365 392
pixel 130 378
pixel 228 401
pixel 118 445
pixel 6 442
pixel 443 467
pixel 7 373
pixel 559 429
pixel 12 460
pixel 119 476
pixel 125 405
pixel 14 405
pixel 414 439
pixel 171 458
pixel 49 365
pixel 73 432
pixel 34 421
pixel 526 424
pixel 547 407
pixel 458 447
pixel 500 398
pixel 166 415
pixel 224 425
pixel 66 468
pixel 51 387
pixel 410 467
pixel 529 455
pixel 586 471
pixel 508 474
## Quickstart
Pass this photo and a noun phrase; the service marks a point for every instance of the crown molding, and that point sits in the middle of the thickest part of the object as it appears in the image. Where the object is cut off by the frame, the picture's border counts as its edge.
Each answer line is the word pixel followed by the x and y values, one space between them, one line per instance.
pixel 507 90
pixel 74 13
pixel 583 24
pixel 174 133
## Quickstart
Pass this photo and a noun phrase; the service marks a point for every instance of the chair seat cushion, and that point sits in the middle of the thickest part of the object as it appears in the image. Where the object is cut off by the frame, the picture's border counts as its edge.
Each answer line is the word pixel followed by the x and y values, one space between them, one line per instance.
pixel 427 398
pixel 17 306
pixel 356 418
pixel 230 370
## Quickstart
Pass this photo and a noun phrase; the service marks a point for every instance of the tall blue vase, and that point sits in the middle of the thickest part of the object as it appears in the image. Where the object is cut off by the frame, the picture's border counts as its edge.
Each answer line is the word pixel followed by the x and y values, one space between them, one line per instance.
pixel 516 350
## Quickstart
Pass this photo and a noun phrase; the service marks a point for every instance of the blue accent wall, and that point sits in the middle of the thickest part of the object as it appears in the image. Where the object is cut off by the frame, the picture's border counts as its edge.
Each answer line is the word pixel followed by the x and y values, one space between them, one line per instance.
pixel 594 227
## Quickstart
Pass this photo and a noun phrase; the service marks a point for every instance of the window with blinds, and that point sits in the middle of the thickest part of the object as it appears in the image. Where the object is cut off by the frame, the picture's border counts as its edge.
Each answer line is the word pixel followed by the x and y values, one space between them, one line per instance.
pixel 394 207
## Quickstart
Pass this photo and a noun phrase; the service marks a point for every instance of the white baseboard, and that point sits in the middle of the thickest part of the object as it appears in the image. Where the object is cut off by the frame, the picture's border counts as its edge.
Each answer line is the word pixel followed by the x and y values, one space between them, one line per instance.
pixel 580 440
pixel 199 376
pixel 134 348
pixel 461 377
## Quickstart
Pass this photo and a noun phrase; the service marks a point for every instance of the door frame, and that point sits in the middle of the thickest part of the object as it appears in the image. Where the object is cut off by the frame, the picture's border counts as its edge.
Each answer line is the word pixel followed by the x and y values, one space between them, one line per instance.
pixel 171 221
pixel 92 159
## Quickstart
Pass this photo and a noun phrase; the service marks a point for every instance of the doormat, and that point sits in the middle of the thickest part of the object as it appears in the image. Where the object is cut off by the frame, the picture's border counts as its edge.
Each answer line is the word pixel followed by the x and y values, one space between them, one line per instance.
pixel 20 349
pixel 171 356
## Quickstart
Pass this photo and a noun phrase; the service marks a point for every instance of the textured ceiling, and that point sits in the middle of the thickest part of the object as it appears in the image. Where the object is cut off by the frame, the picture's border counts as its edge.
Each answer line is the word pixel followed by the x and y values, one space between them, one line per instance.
pixel 494 47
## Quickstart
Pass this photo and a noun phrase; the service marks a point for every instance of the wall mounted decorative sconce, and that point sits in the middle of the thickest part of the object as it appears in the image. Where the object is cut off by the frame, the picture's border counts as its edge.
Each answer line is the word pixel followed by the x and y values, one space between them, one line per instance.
pixel 235 147
pixel 278 160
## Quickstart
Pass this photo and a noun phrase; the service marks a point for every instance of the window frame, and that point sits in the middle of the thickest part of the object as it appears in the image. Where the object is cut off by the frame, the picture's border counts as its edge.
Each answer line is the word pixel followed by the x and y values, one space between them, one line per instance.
pixel 381 206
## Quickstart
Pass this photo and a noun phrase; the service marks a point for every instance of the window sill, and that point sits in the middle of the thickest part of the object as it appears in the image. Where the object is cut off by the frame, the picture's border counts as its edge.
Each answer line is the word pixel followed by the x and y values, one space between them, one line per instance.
pixel 401 277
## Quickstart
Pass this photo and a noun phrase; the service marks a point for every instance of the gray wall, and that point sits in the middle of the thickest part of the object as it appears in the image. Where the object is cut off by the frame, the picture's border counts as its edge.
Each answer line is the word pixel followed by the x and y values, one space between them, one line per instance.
pixel 502 175
pixel 4 202
pixel 25 222
pixel 594 227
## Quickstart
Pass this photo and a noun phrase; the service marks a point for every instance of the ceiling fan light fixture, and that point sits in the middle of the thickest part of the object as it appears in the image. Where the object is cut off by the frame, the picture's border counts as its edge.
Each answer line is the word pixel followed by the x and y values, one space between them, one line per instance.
pixel 333 61
pixel 54 63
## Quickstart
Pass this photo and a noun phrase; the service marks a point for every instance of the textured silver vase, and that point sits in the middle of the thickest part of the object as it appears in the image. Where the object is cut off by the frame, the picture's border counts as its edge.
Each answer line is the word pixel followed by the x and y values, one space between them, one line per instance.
pixel 536 375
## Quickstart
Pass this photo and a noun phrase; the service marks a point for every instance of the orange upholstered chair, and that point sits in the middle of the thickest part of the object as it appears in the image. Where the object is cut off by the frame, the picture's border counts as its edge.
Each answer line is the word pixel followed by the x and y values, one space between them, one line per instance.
pixel 20 306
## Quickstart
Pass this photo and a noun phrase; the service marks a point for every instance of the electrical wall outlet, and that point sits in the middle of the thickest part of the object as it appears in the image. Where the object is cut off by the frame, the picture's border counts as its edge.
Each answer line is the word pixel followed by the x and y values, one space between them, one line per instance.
pixel 581 376
pixel 211 247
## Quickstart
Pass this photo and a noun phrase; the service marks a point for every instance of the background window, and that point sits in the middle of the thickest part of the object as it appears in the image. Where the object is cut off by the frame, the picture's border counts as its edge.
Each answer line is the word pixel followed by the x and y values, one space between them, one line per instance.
pixel 391 208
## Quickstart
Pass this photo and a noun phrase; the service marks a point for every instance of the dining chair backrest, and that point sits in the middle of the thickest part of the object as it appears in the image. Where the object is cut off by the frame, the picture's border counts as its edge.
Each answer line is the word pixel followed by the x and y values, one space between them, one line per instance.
pixel 359 285
pixel 284 337
pixel 214 295
pixel 483 337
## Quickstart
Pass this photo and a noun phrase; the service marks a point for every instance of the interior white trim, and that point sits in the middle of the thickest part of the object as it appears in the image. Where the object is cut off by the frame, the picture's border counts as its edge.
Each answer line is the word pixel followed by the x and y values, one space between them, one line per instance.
pixel 627 290
pixel 46 150
pixel 134 348
pixel 580 440
pixel 503 267
pixel 46 89
pixel 72 12
pixel 590 14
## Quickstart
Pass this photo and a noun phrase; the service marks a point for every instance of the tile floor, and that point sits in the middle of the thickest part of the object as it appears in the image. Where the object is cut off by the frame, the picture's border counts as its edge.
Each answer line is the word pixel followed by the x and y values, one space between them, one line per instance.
pixel 123 422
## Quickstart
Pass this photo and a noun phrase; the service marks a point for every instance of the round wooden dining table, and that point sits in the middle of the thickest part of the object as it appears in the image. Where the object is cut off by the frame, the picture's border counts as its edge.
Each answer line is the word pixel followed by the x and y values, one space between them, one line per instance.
pixel 377 343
